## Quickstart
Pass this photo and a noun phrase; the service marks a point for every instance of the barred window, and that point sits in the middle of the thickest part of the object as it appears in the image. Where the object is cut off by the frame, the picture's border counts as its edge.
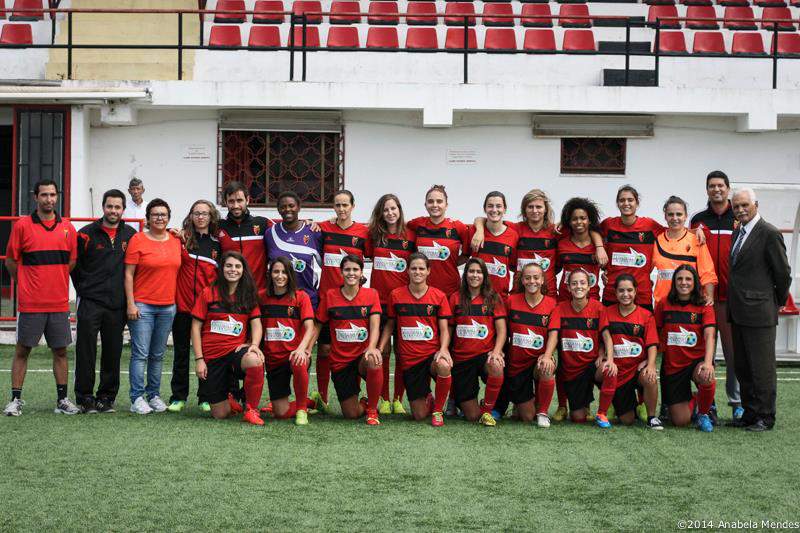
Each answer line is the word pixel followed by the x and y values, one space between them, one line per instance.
pixel 593 156
pixel 270 162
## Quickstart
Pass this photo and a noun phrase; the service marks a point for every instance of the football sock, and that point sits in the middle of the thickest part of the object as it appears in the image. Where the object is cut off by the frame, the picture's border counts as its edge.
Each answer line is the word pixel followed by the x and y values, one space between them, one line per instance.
pixel 607 390
pixel 300 381
pixel 374 383
pixel 16 394
pixel 253 385
pixel 561 392
pixel 323 377
pixel 442 389
pixel 493 385
pixel 544 394
pixel 385 385
pixel 705 395
pixel 61 391
pixel 399 384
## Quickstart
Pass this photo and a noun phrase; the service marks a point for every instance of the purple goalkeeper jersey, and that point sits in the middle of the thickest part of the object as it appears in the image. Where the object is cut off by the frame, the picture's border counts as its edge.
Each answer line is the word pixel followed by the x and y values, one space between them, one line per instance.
pixel 302 248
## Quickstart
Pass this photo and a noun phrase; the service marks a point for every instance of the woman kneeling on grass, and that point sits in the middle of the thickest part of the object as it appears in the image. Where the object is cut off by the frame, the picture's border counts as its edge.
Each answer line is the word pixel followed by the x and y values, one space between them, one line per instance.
pixel 226 332
pixel 288 320
pixel 353 314
pixel 688 332
pixel 478 333
pixel 420 313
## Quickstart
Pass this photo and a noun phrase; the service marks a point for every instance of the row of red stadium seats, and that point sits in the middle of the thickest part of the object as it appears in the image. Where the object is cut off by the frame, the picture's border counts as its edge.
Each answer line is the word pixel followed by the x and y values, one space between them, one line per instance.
pixel 24 10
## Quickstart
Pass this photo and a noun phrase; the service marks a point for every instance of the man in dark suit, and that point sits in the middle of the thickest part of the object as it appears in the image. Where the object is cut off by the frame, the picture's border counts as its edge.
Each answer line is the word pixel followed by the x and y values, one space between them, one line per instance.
pixel 758 285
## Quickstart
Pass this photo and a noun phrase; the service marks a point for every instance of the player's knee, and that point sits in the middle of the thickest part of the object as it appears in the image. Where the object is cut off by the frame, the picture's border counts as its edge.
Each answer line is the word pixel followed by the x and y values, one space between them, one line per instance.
pixel 494 369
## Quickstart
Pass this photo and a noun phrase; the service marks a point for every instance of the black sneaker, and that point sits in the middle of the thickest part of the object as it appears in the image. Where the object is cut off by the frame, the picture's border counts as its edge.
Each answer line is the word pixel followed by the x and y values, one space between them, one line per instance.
pixel 104 406
pixel 88 406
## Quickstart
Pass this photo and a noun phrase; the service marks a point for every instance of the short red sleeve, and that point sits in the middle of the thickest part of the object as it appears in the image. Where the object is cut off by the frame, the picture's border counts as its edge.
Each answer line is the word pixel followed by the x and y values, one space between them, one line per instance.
pixel 659 315
pixel 453 302
pixel 322 311
pixel 376 302
pixel 499 309
pixel 306 310
pixel 255 313
pixel 134 253
pixel 651 333
pixel 414 223
pixel 444 308
pixel 463 234
pixel 200 309
pixel 73 243
pixel 603 320
pixel 554 323
pixel 709 318
pixel 390 307
pixel 13 249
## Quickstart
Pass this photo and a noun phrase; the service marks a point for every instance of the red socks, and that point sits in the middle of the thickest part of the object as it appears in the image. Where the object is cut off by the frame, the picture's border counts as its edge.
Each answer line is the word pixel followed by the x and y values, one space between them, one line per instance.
pixel 323 377
pixel 399 384
pixel 544 394
pixel 385 387
pixel 374 383
pixel 607 390
pixel 493 386
pixel 562 393
pixel 300 381
pixel 705 397
pixel 253 386
pixel 441 391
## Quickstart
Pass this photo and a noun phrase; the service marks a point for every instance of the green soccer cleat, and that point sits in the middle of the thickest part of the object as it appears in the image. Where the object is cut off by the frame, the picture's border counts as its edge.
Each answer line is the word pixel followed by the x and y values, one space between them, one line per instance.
pixel 176 406
pixel 301 418
pixel 205 407
pixel 611 413
pixel 397 407
pixel 384 407
pixel 560 415
pixel 319 403
pixel 487 420
pixel 641 413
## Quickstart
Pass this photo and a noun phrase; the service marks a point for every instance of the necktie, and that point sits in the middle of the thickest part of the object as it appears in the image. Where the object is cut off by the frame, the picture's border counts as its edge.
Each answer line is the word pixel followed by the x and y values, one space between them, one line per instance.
pixel 738 246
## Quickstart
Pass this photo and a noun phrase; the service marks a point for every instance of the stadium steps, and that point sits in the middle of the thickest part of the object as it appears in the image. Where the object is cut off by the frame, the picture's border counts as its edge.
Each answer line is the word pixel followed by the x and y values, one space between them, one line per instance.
pixel 108 28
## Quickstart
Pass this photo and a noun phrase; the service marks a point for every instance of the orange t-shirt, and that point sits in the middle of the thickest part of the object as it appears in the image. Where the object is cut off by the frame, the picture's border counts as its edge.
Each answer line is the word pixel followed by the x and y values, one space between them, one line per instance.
pixel 157 264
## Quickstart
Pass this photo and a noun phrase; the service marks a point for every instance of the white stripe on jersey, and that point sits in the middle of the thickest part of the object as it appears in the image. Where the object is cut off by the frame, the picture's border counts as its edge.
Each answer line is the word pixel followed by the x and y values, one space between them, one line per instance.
pixel 721 232
pixel 293 248
pixel 248 238
pixel 202 258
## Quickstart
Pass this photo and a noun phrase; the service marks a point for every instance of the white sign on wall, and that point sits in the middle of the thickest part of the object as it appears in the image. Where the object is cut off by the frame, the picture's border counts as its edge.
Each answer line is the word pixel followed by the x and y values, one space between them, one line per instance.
pixel 195 153
pixel 462 156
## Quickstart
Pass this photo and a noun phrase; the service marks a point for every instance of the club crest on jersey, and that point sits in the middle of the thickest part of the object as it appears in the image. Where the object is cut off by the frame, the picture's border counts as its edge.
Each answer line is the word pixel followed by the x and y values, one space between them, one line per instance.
pixel 484 309
pixel 545 320
pixel 290 310
pixel 693 318
pixel 354 240
pixel 256 229
pixel 637 329
pixel 507 250
pixel 404 244
pixel 124 246
pixel 306 238
pixel 641 236
pixel 364 311
pixel 589 323
pixel 547 243
pixel 214 255
pixel 448 233
pixel 429 310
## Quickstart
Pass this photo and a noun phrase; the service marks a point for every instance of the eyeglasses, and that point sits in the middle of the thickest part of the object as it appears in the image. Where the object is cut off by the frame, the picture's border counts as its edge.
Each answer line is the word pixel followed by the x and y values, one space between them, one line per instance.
pixel 159 215
pixel 201 214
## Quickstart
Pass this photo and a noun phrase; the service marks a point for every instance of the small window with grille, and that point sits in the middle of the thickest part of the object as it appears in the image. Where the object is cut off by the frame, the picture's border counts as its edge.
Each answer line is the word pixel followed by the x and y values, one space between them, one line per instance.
pixel 271 162
pixel 593 156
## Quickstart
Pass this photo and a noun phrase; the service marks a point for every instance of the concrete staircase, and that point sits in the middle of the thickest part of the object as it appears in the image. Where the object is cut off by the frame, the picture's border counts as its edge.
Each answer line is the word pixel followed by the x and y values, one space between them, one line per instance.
pixel 126 28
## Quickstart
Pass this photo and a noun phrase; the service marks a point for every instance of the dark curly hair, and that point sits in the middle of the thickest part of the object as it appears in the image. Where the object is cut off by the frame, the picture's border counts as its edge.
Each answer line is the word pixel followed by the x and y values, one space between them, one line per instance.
pixel 581 203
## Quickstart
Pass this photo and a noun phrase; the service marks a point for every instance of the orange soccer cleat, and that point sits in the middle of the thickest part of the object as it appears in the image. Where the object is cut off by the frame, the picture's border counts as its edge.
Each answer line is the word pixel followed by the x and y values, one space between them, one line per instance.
pixel 251 417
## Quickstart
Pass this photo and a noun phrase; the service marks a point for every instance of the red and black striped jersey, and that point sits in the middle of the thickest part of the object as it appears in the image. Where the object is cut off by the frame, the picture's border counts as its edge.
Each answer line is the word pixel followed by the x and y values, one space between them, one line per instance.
pixel 338 242
pixel 246 236
pixel 390 263
pixel 283 319
pixel 572 257
pixel 630 251
pixel 499 252
pixel 631 336
pixel 474 331
pixel 222 331
pixel 682 328
pixel 578 336
pixel 442 244
pixel 527 330
pixel 417 334
pixel 349 323
pixel 539 247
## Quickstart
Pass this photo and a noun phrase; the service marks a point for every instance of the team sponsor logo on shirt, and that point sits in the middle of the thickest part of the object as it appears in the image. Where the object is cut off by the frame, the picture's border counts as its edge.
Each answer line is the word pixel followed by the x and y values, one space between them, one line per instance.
pixel 666 274
pixel 420 332
pixel 627 349
pixel 435 252
pixel 298 265
pixel 577 344
pixel 496 268
pixel 230 327
pixel 629 259
pixel 543 262
pixel 472 331
pixel 391 264
pixel 333 259
pixel 529 340
pixel 352 334
pixel 281 333
pixel 684 338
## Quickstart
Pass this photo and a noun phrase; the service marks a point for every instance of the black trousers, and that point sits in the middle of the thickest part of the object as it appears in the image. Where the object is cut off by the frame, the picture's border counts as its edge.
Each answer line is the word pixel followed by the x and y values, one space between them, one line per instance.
pixel 754 362
pixel 181 341
pixel 94 318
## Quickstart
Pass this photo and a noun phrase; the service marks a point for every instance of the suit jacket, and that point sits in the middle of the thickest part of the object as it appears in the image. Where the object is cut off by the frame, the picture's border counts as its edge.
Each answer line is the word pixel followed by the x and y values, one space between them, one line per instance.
pixel 760 279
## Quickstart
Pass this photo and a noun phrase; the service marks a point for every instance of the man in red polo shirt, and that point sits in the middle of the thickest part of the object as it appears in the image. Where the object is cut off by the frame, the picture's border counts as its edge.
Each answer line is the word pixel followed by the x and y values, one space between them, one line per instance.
pixel 41 252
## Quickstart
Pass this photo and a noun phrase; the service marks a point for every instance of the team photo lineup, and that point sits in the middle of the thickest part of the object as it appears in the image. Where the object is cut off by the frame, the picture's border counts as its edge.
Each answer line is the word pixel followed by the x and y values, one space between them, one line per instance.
pixel 516 316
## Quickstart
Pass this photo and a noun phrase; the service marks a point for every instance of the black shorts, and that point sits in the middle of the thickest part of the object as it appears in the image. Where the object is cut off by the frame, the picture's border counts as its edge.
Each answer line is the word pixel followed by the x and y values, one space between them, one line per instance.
pixel 609 303
pixel 324 335
pixel 221 372
pixel 519 388
pixel 580 390
pixel 625 396
pixel 346 381
pixel 418 379
pixel 279 381
pixel 677 388
pixel 465 385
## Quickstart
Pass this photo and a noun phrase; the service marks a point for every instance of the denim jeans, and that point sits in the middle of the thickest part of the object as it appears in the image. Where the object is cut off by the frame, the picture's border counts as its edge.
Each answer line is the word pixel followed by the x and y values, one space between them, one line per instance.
pixel 148 342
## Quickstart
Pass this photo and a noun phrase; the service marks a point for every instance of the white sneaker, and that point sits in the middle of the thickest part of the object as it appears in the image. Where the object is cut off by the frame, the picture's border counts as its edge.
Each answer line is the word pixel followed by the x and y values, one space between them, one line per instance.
pixel 14 407
pixel 542 420
pixel 66 407
pixel 140 407
pixel 157 404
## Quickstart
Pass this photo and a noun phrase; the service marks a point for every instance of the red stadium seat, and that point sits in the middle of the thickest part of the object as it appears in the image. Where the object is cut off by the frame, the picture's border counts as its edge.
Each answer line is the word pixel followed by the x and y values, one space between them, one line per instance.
pixel 264 37
pixel 708 42
pixel 456 11
pixel 536 16
pixel 421 39
pixel 540 40
pixel 659 2
pixel 662 13
pixel 455 39
pixel 696 2
pixel 543 1
pixel 343 37
pixel 303 6
pixel 383 13
pixel 312 36
pixel 747 43
pixel 341 12
pixel 421 14
pixel 769 3
pixel 703 12
pixel 739 18
pixel 570 16
pixel 264 6
pixel 789 308
pixel 16 34
pixel 788 44
pixel 578 41
pixel 493 14
pixel 499 39
pixel 742 3
pixel 19 5
pixel 795 3
pixel 2 6
pixel 776 13
pixel 379 37
pixel 230 18
pixel 671 42
pixel 225 37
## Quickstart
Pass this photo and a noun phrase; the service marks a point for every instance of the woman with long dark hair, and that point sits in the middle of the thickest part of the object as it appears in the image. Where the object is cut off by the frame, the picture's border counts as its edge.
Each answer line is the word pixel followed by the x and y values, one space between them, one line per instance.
pixel 499 247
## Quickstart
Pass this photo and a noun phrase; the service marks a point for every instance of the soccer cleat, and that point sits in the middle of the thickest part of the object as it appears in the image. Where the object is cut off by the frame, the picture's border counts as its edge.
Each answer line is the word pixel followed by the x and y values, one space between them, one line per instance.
pixel 157 404
pixel 301 418
pixel 319 404
pixel 88 406
pixel 397 407
pixel 14 407
pixel 251 417
pixel 437 419
pixel 712 414
pixel 641 412
pixel 236 407
pixel 487 419
pixel 176 406
pixel 561 414
pixel 655 423
pixel 602 421
pixel 384 407
pixel 372 417
pixel 496 415
pixel 105 406
pixel 140 407
pixel 451 409
pixel 267 409
pixel 704 424
pixel 542 420
pixel 738 412
pixel 64 406
pixel 205 407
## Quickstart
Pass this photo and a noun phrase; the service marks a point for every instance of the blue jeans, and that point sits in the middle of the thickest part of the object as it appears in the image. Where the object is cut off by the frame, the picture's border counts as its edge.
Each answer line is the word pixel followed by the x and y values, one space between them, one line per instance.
pixel 148 341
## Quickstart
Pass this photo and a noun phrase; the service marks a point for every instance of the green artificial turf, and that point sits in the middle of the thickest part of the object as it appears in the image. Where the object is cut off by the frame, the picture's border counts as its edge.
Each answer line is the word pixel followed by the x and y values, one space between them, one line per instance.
pixel 186 472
